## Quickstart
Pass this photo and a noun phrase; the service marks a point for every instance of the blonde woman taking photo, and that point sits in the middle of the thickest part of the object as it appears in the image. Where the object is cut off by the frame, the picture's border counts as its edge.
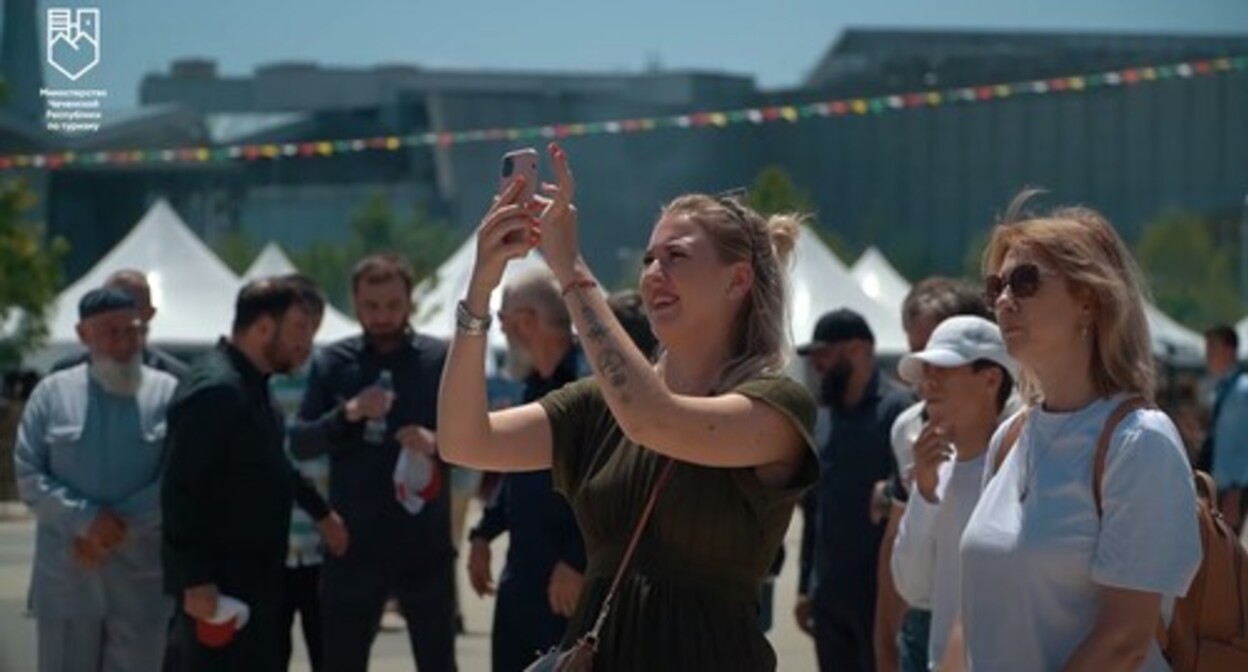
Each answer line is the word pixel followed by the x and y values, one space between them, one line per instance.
pixel 716 405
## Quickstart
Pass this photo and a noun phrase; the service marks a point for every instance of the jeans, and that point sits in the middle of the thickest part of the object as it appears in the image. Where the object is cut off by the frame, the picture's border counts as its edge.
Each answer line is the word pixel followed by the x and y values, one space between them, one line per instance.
pixel 916 626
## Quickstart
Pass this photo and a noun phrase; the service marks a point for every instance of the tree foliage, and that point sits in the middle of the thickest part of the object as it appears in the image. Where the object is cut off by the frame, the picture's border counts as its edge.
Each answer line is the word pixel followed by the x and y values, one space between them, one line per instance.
pixel 237 250
pixel 1191 275
pixel 30 274
pixel 774 192
pixel 377 227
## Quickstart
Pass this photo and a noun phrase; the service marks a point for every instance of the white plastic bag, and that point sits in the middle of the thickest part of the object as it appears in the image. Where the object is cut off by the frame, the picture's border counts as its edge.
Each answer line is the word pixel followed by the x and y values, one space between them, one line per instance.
pixel 417 480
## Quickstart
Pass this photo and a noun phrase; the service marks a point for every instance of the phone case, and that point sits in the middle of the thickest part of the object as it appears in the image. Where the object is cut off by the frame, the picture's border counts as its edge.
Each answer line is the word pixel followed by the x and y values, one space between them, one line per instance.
pixel 522 162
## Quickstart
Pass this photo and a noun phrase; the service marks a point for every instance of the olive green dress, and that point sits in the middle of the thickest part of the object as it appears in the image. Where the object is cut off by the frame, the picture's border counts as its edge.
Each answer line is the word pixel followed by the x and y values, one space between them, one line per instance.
pixel 690 599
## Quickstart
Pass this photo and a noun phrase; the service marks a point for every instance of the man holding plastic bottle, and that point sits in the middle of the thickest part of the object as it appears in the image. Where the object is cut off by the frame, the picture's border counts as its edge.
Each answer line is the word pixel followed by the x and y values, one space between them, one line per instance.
pixel 400 539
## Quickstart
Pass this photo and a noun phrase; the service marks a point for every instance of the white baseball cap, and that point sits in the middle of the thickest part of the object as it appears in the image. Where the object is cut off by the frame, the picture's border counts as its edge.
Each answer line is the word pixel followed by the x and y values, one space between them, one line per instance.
pixel 959 341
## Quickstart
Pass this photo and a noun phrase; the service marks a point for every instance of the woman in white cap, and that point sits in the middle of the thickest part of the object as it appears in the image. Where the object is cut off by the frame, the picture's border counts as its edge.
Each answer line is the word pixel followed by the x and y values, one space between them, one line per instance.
pixel 966 381
pixel 715 412
pixel 1062 579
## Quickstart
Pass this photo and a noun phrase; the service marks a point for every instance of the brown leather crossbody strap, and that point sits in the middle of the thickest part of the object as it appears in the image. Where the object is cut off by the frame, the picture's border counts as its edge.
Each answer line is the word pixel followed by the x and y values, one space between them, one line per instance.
pixel 1127 407
pixel 1010 438
pixel 632 548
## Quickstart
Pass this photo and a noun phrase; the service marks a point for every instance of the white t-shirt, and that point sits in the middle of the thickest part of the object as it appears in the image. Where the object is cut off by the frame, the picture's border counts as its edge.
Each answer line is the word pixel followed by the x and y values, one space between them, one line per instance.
pixel 1035 550
pixel 905 431
pixel 926 558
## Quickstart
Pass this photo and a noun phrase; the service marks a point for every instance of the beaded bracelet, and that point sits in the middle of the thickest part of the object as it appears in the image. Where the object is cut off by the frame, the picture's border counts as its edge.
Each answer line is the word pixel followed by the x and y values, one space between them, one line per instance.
pixel 583 283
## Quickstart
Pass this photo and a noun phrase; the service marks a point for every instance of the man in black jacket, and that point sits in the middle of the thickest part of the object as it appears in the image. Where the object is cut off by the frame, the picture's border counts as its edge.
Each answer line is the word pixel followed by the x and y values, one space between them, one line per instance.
pixel 228 484
pixel 840 541
pixel 348 413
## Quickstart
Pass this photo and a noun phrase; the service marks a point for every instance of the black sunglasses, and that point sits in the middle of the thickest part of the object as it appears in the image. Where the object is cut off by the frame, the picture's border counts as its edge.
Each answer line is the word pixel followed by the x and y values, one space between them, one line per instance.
pixel 1023 282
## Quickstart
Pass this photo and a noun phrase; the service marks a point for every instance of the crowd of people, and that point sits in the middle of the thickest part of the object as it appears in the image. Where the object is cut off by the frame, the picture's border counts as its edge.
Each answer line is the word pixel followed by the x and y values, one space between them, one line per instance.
pixel 1009 498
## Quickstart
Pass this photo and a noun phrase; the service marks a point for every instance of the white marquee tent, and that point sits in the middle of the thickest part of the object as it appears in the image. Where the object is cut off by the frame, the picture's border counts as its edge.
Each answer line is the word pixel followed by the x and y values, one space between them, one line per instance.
pixel 821 283
pixel 879 280
pixel 436 297
pixel 1173 342
pixel 273 261
pixel 192 289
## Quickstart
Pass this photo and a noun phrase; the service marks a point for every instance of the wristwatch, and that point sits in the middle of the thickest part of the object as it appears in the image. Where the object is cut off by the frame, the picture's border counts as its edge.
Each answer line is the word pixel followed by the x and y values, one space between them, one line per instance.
pixel 470 324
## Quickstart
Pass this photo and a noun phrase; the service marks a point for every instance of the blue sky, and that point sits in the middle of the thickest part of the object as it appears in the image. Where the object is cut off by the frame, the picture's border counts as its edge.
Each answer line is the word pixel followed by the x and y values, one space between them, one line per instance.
pixel 776 41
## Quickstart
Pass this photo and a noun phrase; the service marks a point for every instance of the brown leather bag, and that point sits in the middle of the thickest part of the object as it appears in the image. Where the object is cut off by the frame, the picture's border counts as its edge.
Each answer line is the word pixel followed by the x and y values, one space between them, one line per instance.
pixel 580 658
pixel 1208 629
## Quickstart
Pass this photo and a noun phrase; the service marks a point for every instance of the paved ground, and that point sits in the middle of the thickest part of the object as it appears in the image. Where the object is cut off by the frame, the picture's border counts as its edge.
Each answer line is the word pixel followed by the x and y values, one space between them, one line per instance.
pixel 390 653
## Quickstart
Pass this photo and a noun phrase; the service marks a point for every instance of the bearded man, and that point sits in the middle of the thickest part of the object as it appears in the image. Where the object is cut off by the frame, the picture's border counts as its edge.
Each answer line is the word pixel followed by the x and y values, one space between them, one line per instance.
pixel 229 485
pixel 369 398
pixel 89 454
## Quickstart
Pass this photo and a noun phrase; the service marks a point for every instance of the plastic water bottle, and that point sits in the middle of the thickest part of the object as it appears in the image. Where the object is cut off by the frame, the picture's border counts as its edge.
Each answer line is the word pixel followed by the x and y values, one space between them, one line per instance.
pixel 375 428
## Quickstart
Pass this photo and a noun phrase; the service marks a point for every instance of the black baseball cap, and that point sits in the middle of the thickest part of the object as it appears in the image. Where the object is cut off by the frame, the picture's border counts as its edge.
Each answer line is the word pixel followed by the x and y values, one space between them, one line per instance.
pixel 839 325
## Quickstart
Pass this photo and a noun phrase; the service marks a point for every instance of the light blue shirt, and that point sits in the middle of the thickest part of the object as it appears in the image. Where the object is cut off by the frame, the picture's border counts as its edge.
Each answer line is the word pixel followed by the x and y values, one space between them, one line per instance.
pixel 1230 436
pixel 80 450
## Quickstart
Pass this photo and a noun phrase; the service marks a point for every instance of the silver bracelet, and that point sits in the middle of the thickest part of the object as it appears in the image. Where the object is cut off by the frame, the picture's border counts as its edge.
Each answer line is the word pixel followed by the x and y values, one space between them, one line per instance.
pixel 469 324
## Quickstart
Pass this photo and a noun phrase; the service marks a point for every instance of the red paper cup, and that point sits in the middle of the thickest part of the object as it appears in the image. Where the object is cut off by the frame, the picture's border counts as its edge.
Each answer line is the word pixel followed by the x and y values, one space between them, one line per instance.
pixel 216 635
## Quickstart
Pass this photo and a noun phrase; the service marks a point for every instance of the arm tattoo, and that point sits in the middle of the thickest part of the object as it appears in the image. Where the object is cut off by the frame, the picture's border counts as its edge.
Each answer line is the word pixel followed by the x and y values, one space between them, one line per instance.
pixel 597 330
pixel 611 362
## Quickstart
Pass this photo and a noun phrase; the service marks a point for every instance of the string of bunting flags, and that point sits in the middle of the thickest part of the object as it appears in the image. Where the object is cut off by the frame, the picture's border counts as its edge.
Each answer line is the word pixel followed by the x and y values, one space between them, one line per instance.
pixel 713 119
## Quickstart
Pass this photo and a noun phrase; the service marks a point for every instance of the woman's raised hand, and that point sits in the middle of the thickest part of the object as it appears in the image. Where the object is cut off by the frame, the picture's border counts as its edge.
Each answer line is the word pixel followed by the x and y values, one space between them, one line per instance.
pixel 508 231
pixel 559 240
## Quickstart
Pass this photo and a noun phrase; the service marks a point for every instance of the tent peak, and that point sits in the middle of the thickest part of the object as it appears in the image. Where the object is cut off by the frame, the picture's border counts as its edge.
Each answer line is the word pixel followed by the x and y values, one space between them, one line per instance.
pixel 272 260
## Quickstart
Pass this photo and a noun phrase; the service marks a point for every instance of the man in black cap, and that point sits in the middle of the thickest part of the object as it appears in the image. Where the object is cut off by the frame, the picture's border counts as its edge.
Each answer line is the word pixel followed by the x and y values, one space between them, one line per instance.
pixel 840 542
pixel 228 484
pixel 89 454
pixel 134 283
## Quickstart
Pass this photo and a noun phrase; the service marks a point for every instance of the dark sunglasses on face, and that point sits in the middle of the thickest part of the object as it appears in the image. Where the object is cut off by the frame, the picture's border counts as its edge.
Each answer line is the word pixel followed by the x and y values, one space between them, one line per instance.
pixel 1023 282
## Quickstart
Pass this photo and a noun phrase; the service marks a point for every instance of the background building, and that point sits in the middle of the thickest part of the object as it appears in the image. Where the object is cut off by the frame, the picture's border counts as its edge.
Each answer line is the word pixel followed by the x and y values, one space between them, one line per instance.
pixel 922 185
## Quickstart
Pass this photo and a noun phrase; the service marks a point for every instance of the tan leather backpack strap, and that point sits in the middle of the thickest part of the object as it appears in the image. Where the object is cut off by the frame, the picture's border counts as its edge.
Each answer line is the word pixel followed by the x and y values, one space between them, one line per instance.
pixel 1205 488
pixel 1011 437
pixel 1127 407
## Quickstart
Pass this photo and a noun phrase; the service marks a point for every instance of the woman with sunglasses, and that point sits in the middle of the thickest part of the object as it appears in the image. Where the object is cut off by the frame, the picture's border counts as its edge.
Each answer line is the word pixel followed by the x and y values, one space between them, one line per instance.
pixel 1050 582
pixel 716 405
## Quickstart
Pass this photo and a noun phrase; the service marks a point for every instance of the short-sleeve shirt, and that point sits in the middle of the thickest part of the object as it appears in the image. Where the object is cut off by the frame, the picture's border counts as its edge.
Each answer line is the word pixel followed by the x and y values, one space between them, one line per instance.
pixel 1230 433
pixel 1035 549
pixel 690 599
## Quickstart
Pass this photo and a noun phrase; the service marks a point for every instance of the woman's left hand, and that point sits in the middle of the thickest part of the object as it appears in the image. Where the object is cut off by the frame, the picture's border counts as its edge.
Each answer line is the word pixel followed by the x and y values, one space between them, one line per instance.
pixel 560 242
